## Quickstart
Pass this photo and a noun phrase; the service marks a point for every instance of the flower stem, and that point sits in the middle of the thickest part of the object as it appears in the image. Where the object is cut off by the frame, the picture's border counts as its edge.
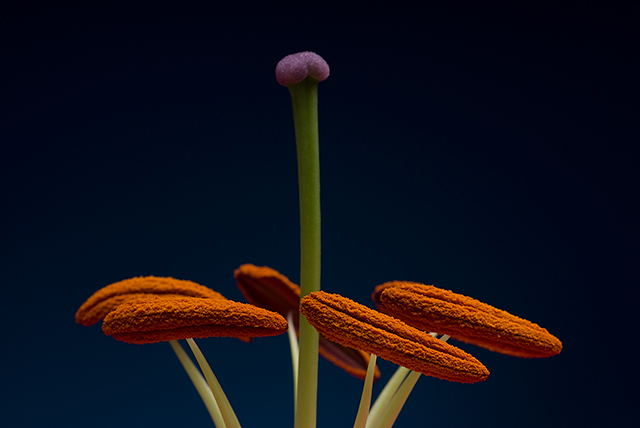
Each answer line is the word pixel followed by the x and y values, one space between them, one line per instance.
pixel 304 97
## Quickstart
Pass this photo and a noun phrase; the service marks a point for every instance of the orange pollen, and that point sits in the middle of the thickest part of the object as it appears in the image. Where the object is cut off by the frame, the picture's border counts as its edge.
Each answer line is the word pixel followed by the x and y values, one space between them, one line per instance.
pixel 159 319
pixel 110 297
pixel 468 320
pixel 352 324
pixel 269 289
pixel 375 296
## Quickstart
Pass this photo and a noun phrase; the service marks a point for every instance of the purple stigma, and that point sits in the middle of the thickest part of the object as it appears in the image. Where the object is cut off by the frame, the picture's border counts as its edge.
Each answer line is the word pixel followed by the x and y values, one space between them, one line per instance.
pixel 296 67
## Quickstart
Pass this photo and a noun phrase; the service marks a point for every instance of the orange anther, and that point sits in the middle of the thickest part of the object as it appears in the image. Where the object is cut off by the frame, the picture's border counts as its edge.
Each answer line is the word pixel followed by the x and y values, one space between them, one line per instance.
pixel 468 320
pixel 352 324
pixel 159 319
pixel 110 297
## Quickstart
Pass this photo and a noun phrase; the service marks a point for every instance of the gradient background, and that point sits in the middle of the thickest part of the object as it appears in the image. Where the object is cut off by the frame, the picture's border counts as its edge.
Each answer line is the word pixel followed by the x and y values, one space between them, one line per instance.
pixel 490 150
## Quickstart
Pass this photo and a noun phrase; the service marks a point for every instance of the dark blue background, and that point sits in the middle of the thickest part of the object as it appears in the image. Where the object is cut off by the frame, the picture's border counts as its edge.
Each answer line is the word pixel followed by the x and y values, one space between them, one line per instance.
pixel 486 149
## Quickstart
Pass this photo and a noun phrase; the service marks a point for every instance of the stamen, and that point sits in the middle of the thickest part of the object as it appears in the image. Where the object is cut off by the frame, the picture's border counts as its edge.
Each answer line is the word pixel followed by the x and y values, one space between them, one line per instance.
pixel 229 416
pixel 468 320
pixel 269 289
pixel 293 342
pixel 201 385
pixel 110 297
pixel 365 400
pixel 397 402
pixel 158 319
pixel 385 396
pixel 351 324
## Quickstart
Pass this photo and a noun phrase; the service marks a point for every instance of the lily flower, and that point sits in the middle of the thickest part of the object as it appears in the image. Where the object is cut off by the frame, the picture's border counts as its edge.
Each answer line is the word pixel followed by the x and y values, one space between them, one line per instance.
pixel 267 288
pixel 161 319
pixel 152 309
pixel 351 324
pixel 110 297
pixel 466 319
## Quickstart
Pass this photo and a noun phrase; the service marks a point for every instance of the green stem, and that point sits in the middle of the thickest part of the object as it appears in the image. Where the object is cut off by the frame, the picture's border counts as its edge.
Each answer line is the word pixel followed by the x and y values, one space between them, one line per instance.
pixel 304 97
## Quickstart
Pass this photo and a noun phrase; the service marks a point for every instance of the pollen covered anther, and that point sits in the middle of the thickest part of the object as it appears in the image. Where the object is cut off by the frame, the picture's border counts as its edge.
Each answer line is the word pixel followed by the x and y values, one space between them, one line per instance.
pixel 160 319
pixel 351 324
pixel 466 319
pixel 110 297
pixel 269 289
